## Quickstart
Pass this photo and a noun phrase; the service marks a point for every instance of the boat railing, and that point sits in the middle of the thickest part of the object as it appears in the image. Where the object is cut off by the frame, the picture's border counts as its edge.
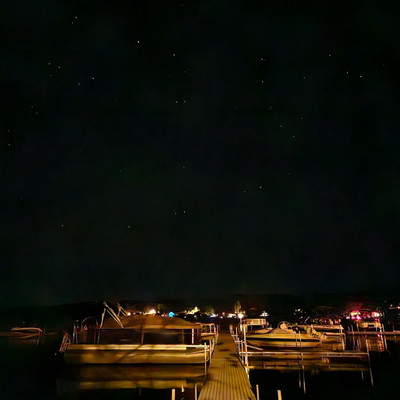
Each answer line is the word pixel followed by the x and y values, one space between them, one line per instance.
pixel 97 335
pixel 66 340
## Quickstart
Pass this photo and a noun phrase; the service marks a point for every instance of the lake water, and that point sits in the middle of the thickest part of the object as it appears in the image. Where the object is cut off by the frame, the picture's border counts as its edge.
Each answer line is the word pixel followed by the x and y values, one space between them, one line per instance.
pixel 338 385
pixel 29 372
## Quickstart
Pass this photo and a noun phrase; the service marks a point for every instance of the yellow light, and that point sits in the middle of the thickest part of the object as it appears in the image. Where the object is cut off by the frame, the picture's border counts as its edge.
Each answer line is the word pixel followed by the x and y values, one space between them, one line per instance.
pixel 128 314
pixel 240 315
pixel 152 312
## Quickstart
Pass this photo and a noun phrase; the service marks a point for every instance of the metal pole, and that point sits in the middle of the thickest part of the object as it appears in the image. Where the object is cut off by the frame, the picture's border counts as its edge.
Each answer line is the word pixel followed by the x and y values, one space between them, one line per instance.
pixel 258 392
pixel 205 359
pixel 173 394
pixel 343 337
pixel 299 379
pixel 245 346
pixel 304 378
pixel 370 371
pixel 279 395
pixel 384 336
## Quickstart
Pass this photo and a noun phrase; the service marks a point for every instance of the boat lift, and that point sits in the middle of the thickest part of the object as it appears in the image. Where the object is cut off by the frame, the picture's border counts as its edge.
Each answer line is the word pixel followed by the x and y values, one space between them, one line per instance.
pixel 257 358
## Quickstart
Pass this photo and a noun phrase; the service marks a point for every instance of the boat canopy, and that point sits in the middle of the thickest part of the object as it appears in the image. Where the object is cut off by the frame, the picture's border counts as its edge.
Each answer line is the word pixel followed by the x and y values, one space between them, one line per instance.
pixel 150 322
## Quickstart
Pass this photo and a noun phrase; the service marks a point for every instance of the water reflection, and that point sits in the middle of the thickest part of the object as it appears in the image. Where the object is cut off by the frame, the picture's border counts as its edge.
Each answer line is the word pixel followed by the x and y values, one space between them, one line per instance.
pixel 122 377
pixel 337 379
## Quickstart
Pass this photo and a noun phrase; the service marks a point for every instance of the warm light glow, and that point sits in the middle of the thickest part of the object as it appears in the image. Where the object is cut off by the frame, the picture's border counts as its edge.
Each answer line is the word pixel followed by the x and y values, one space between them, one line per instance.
pixel 376 314
pixel 152 312
pixel 128 314
pixel 240 315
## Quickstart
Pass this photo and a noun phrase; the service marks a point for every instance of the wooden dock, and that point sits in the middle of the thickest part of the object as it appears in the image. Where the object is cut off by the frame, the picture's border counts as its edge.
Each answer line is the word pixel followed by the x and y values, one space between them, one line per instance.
pixel 226 376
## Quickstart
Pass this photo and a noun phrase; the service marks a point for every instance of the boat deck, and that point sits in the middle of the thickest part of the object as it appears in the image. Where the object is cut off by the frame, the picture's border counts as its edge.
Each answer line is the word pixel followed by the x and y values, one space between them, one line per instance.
pixel 226 377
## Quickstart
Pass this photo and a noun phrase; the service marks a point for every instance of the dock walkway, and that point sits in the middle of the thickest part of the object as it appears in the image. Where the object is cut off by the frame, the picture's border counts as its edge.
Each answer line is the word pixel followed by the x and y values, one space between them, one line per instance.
pixel 226 377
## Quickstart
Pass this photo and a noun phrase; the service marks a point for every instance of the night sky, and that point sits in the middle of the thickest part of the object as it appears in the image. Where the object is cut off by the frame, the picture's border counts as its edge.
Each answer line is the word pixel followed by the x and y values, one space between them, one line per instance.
pixel 176 148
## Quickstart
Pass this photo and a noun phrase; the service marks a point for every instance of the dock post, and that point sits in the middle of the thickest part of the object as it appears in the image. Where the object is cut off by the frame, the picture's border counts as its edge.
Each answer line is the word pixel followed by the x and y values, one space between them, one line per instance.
pixel 299 379
pixel 246 359
pixel 370 371
pixel 205 359
pixel 258 392
pixel 173 394
pixel 383 333
pixel 279 395
pixel 304 377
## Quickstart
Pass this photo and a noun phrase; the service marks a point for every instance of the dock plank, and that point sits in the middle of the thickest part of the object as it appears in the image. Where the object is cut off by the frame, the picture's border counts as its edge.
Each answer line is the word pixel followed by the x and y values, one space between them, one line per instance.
pixel 226 377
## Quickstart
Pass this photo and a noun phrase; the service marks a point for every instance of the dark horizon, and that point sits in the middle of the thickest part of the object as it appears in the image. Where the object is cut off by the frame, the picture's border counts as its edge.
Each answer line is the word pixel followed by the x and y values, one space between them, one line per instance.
pixel 274 300
pixel 179 148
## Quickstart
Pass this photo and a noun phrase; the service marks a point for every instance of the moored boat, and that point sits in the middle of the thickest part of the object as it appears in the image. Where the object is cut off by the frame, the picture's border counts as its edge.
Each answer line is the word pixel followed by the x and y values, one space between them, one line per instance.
pixel 137 339
pixel 284 337
pixel 332 332
pixel 23 334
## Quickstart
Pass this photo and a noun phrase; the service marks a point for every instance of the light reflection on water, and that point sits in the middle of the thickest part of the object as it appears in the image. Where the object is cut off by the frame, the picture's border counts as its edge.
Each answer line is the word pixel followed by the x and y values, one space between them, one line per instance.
pixel 338 382
pixel 156 380
pixel 25 373
pixel 30 372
